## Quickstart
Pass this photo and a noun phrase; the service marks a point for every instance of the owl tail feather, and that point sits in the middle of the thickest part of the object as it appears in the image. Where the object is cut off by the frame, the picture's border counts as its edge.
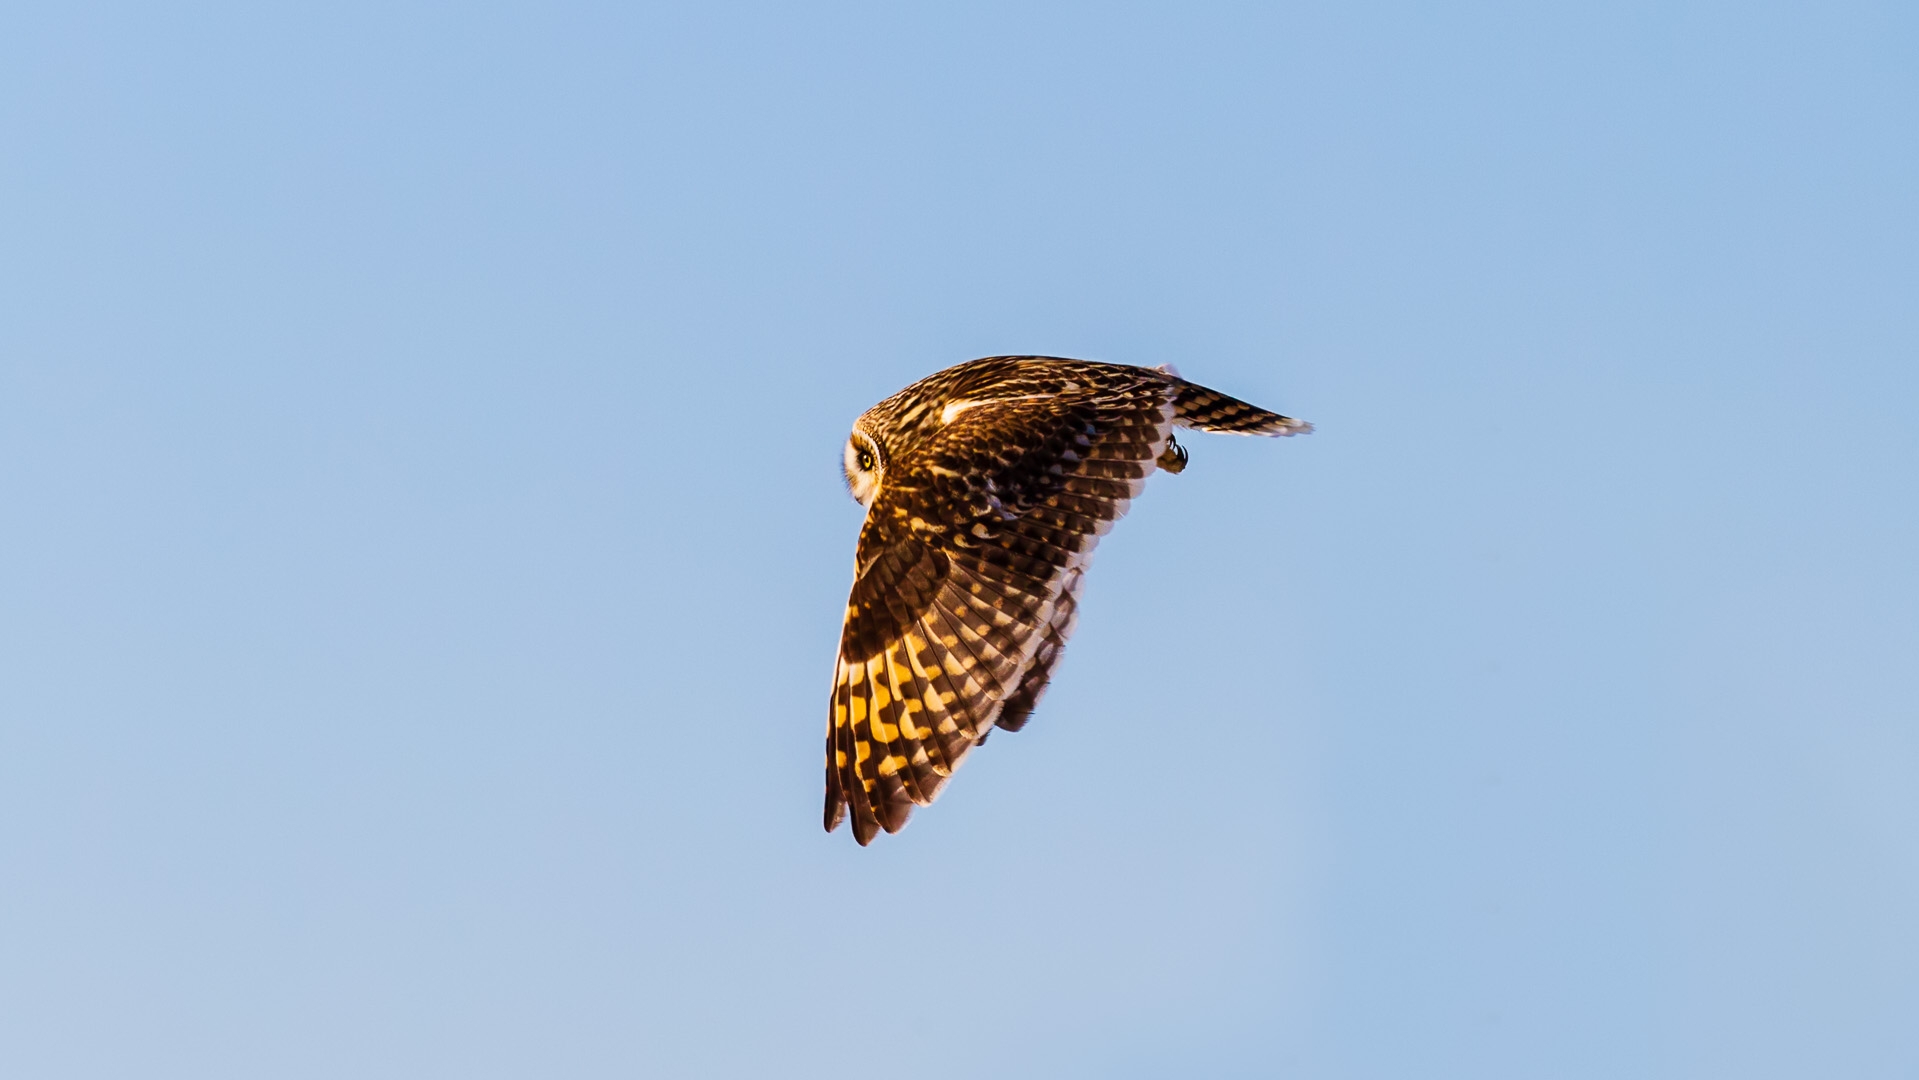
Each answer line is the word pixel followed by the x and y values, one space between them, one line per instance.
pixel 1195 406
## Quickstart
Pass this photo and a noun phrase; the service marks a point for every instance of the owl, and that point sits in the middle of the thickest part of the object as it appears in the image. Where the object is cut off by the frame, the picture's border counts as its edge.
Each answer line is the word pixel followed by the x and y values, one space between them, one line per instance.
pixel 986 486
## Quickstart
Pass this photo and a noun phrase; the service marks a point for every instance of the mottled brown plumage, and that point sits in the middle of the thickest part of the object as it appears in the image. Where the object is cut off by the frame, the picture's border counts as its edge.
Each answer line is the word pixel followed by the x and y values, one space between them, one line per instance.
pixel 986 487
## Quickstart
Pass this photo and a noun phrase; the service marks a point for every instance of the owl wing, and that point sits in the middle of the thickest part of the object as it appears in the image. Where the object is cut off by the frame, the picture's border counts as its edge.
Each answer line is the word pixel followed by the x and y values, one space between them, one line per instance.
pixel 967 583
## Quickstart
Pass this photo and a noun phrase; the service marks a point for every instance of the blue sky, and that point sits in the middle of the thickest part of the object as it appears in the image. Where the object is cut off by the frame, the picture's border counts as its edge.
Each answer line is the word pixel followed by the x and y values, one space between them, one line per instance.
pixel 424 543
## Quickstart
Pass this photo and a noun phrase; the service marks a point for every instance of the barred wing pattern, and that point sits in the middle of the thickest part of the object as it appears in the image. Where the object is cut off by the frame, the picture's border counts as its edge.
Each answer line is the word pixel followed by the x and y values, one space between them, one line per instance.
pixel 968 578
pixel 1195 406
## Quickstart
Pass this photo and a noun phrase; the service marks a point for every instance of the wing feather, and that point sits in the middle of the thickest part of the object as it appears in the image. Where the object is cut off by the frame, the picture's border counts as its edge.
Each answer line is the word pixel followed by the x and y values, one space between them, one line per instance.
pixel 1124 446
pixel 1209 410
pixel 943 744
pixel 882 726
pixel 845 769
pixel 916 762
pixel 836 753
pixel 1014 713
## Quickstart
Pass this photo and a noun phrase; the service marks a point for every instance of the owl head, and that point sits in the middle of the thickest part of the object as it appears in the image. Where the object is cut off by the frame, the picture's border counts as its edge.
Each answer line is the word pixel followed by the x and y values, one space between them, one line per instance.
pixel 865 465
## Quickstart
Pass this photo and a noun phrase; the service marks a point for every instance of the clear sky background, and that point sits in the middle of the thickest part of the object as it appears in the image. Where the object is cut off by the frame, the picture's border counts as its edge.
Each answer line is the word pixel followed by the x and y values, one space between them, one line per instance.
pixel 422 541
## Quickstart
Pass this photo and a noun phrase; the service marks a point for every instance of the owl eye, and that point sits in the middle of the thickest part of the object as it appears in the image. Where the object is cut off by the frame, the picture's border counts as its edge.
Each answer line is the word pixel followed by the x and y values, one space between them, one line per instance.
pixel 865 459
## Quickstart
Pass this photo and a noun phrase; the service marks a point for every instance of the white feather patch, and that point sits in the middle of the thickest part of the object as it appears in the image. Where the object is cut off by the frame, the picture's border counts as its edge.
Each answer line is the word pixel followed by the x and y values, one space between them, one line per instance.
pixel 954 408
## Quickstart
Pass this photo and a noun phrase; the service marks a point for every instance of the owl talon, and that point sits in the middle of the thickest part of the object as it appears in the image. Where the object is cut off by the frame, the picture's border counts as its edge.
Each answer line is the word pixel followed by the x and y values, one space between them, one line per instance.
pixel 1173 458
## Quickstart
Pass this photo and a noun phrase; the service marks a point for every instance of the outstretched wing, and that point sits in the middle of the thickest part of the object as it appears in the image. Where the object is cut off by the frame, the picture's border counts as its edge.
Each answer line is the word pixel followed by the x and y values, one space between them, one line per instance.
pixel 967 584
pixel 1196 406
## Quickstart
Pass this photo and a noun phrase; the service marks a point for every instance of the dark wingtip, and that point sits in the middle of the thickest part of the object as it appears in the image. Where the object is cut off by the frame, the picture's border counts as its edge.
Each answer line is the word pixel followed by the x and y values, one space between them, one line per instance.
pixel 896 815
pixel 1015 715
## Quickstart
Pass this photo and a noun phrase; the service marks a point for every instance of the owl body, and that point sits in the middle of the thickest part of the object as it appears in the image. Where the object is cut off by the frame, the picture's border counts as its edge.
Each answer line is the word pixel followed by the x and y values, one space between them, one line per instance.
pixel 986 486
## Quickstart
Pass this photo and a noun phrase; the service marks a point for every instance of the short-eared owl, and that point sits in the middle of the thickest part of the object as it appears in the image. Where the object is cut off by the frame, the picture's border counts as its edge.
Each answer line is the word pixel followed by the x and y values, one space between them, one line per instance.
pixel 986 486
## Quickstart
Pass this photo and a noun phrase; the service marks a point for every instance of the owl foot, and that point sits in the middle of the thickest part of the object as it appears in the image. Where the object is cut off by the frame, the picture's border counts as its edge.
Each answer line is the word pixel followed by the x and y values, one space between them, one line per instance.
pixel 1173 458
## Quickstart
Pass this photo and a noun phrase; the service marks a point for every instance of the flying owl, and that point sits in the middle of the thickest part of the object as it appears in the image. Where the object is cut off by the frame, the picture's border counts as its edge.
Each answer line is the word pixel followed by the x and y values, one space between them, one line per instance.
pixel 985 486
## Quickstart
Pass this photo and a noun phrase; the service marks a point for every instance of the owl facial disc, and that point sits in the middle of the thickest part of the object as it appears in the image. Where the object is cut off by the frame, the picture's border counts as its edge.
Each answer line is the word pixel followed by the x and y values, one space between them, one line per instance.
pixel 863 468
